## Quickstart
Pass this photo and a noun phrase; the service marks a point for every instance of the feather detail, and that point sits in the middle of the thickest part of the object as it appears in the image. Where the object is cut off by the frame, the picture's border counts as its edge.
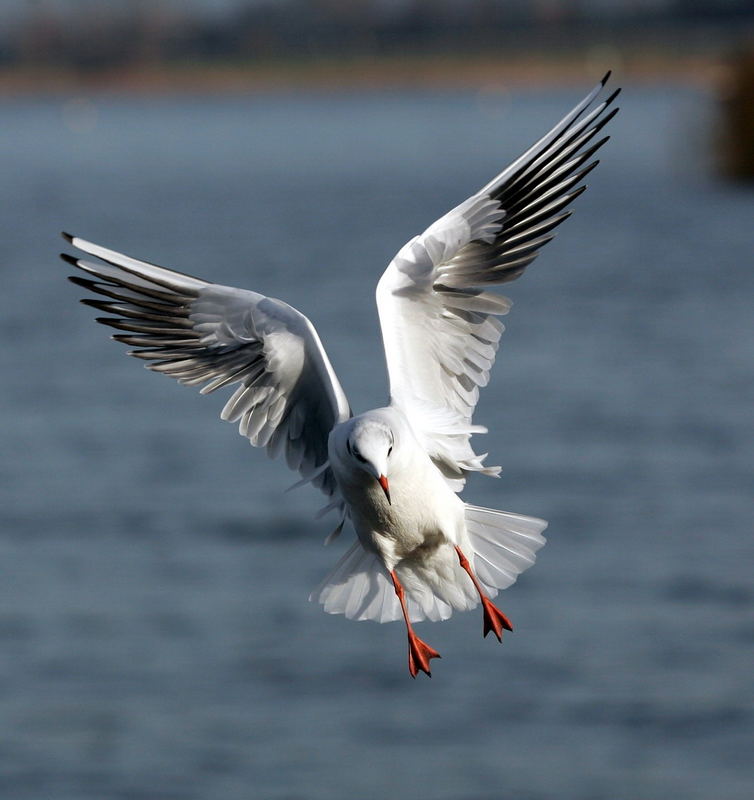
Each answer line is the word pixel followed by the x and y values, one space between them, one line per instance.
pixel 287 397
pixel 440 329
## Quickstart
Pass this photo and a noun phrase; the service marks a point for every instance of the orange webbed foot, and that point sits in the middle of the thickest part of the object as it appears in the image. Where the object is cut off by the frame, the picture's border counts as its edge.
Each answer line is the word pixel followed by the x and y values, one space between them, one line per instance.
pixel 495 620
pixel 419 655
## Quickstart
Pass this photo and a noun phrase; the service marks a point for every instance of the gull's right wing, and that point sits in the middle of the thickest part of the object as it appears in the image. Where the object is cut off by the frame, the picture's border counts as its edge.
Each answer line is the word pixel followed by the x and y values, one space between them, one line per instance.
pixel 288 397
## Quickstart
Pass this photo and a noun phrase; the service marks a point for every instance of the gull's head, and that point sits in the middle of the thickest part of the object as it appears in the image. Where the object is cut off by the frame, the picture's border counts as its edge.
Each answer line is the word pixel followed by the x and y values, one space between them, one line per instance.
pixel 369 447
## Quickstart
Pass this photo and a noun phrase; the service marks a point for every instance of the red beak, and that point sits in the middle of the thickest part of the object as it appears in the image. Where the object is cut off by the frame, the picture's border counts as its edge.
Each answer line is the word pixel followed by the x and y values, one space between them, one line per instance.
pixel 385 488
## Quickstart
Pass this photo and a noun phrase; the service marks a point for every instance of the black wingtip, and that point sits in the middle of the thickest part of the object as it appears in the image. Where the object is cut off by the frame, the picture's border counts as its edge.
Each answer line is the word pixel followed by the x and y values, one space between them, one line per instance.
pixel 69 259
pixel 576 192
pixel 600 143
pixel 613 96
pixel 610 115
pixel 607 77
pixel 101 305
pixel 83 282
pixel 67 236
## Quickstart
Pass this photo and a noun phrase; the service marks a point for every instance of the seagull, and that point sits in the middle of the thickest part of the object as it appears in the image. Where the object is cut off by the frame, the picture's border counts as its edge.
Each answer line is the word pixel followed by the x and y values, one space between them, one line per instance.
pixel 395 473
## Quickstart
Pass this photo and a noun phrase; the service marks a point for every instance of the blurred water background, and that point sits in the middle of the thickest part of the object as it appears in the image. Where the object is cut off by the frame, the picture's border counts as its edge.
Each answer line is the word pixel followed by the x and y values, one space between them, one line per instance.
pixel 155 638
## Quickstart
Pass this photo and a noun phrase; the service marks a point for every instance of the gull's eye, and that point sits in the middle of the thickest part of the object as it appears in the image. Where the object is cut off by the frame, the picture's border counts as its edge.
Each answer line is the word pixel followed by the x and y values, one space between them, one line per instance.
pixel 353 451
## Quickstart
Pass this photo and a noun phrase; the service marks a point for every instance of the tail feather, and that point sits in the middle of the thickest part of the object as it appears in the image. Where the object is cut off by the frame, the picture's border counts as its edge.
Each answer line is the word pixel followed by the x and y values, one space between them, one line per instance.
pixel 358 587
pixel 501 544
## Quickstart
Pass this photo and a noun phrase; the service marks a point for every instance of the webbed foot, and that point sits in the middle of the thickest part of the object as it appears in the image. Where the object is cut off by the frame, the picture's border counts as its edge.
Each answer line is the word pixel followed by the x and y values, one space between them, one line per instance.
pixel 419 655
pixel 494 619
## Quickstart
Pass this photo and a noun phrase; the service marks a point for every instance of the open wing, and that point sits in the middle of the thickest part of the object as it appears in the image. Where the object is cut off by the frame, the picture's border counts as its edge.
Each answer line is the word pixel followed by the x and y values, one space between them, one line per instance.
pixel 440 330
pixel 288 398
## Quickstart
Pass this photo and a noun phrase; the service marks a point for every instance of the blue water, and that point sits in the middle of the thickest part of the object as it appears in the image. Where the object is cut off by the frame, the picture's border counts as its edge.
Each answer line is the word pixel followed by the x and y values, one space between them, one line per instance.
pixel 155 638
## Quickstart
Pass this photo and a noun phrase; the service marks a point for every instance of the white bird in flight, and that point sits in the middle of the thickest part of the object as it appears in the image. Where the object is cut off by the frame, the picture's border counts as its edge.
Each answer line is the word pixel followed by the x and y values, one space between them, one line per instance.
pixel 394 472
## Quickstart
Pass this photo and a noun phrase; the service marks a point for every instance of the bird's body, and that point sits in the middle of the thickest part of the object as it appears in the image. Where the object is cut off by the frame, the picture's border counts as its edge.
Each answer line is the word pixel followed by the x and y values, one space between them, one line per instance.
pixel 423 510
pixel 416 530
pixel 394 472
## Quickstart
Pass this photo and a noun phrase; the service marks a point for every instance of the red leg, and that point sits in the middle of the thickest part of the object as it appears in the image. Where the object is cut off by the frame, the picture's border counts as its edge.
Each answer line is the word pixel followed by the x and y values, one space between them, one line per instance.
pixel 494 619
pixel 419 652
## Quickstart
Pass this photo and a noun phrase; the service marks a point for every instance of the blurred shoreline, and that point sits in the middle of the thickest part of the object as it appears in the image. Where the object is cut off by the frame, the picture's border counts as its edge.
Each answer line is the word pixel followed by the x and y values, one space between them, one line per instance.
pixel 390 72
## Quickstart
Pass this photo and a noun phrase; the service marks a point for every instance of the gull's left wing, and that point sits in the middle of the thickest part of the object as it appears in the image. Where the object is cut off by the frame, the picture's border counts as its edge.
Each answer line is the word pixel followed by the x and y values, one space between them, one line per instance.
pixel 440 330
pixel 288 397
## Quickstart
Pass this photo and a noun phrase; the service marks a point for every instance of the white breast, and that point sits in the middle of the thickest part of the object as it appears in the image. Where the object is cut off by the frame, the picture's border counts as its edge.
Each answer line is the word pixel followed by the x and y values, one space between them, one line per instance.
pixel 424 512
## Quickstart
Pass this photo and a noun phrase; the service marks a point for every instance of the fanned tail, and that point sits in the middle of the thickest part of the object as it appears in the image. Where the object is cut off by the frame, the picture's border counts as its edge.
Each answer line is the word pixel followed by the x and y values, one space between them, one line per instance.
pixel 501 545
pixel 358 587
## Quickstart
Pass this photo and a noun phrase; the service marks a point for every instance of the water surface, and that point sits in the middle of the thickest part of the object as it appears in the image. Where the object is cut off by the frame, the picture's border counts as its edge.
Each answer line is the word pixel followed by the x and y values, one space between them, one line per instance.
pixel 155 639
